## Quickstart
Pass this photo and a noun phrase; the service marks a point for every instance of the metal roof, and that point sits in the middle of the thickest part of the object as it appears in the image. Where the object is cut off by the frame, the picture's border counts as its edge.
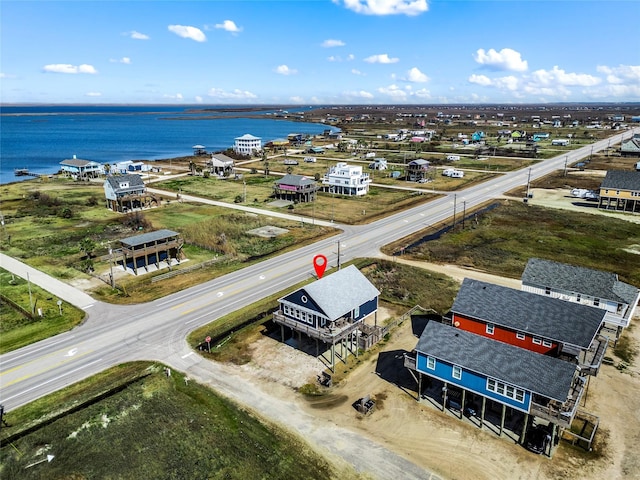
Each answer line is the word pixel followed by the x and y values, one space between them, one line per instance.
pixel 339 293
pixel 546 376
pixel 297 180
pixel 77 162
pixel 135 182
pixel 148 237
pixel 538 315
pixel 571 278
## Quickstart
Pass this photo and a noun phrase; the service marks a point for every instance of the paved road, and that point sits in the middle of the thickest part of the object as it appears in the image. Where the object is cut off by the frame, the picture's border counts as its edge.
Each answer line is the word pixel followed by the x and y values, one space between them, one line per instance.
pixel 157 330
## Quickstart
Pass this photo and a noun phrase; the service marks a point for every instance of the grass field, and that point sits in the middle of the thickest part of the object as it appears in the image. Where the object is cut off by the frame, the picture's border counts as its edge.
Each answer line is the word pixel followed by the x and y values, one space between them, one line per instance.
pixel 133 422
pixel 17 329
pixel 502 241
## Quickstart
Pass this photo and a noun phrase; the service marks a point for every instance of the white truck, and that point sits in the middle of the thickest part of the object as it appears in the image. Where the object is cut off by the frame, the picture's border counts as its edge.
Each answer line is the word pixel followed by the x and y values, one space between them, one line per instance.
pixel 453 158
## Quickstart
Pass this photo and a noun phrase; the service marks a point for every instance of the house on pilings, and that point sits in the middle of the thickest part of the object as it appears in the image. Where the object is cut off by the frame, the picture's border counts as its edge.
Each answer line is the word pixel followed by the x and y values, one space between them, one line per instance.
pixel 331 310
pixel 151 251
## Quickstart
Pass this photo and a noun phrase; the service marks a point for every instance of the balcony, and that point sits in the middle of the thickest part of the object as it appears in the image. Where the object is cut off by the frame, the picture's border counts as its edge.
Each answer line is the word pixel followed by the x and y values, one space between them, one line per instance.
pixel 591 360
pixel 561 413
pixel 333 332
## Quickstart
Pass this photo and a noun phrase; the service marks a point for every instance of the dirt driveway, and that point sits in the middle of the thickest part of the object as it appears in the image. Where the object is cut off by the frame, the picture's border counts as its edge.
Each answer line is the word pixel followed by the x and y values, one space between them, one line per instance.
pixel 441 442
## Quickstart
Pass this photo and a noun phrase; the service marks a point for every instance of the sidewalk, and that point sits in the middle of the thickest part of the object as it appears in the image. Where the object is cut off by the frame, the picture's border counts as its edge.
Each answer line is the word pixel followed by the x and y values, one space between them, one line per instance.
pixel 60 289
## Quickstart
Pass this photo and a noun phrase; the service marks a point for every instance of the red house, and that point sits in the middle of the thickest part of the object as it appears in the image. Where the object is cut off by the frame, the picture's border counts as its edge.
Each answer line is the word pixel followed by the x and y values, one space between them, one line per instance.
pixel 544 325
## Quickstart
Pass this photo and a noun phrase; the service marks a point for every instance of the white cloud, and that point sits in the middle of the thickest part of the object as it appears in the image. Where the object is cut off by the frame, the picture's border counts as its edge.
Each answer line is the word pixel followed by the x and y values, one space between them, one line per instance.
pixel 505 59
pixel 125 60
pixel 381 58
pixel 229 26
pixel 93 94
pixel 333 59
pixel 186 31
pixel 296 99
pixel 415 75
pixel 558 76
pixel 137 35
pixel 199 99
pixel 177 96
pixel 622 74
pixel 359 94
pixel 236 94
pixel 394 92
pixel 351 56
pixel 480 80
pixel 422 93
pixel 338 58
pixel 333 43
pixel 356 72
pixel 68 68
pixel 285 70
pixel 386 7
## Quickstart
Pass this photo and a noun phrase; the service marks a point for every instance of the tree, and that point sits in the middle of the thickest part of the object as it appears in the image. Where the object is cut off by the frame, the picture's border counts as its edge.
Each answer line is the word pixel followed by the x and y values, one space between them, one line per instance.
pixel 87 246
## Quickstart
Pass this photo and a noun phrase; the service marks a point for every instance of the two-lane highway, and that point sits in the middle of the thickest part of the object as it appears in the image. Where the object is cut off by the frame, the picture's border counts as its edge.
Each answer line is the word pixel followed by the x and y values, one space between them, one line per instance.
pixel 156 330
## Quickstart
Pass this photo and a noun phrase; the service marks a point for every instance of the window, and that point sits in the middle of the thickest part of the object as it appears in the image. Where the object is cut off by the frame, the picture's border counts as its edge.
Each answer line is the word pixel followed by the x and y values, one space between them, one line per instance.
pixel 596 302
pixel 490 328
pixel 578 298
pixel 505 390
pixel 537 340
pixel 547 343
pixel 547 290
pixel 356 312
pixel 520 336
pixel 456 372
pixel 431 363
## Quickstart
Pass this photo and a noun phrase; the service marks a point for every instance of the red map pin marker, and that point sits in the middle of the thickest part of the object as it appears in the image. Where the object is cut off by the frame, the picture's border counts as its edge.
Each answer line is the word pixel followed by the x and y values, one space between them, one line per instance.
pixel 320 265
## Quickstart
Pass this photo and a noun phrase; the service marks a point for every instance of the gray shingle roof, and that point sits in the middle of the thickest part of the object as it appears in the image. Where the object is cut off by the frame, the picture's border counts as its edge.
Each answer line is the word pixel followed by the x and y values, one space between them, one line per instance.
pixel 148 237
pixel 550 318
pixel 621 180
pixel 341 292
pixel 547 376
pixel 132 179
pixel 571 278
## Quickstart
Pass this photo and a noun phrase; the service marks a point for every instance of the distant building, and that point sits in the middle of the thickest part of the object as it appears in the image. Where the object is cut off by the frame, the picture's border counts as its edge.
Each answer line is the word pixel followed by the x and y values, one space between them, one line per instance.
pixel 220 164
pixel 126 192
pixel 247 144
pixel 81 169
pixel 346 179
pixel 631 148
pixel 419 169
pixel 297 188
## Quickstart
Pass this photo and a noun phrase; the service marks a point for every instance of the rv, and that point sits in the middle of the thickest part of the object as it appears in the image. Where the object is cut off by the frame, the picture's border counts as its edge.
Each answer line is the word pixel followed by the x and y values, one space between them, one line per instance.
pixel 453 173
pixel 453 158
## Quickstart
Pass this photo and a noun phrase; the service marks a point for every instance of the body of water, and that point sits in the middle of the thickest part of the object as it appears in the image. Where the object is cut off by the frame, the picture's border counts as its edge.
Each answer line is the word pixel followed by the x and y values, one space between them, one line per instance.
pixel 38 138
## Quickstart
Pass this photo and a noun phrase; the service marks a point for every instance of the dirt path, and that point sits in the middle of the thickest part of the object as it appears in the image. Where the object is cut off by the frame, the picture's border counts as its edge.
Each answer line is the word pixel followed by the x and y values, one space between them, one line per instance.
pixel 440 442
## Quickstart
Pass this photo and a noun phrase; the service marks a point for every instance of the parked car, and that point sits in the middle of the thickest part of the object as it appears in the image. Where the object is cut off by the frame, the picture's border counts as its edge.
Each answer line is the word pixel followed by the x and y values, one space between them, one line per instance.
pixel 537 439
pixel 290 161
pixel 310 159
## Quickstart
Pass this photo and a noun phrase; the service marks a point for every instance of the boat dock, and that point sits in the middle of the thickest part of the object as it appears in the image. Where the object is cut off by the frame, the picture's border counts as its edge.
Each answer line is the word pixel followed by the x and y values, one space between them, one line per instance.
pixel 24 172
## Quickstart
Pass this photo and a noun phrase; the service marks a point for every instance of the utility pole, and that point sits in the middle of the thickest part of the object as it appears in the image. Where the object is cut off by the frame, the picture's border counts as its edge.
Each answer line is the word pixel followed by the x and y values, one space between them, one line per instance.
pixel 454 209
pixel 30 296
pixel 528 182
pixel 566 159
pixel 338 254
pixel 464 212
pixel 113 282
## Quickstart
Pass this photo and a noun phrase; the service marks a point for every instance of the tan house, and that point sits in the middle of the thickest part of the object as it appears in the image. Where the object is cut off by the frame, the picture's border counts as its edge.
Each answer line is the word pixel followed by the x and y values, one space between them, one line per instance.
pixel 620 190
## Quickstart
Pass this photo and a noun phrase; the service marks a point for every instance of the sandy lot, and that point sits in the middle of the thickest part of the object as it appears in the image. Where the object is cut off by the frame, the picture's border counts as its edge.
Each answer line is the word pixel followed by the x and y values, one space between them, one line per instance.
pixel 441 442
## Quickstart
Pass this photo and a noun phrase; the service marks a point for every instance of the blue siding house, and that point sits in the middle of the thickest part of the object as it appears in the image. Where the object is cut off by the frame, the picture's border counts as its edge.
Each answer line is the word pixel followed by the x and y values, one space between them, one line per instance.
pixel 331 309
pixel 516 378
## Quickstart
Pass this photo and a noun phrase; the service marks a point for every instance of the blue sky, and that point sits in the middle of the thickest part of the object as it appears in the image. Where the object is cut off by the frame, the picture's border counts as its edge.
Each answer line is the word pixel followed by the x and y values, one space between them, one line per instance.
pixel 313 52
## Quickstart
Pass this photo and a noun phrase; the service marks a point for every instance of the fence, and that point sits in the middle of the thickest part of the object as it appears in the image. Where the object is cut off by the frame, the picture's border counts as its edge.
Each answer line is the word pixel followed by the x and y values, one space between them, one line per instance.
pixel 373 334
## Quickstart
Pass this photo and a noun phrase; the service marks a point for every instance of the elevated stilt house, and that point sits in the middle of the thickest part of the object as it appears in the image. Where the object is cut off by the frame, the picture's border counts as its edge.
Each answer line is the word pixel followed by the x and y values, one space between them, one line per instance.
pixel 297 188
pixel 126 192
pixel 330 310
pixel 158 249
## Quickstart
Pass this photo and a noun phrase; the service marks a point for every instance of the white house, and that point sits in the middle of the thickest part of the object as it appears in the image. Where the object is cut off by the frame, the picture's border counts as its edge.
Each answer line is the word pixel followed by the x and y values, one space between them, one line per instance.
pixel 583 285
pixel 346 180
pixel 247 144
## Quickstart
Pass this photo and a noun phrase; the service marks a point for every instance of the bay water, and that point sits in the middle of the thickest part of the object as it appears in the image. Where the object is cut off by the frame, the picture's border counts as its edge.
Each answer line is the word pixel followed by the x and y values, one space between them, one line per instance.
pixel 39 137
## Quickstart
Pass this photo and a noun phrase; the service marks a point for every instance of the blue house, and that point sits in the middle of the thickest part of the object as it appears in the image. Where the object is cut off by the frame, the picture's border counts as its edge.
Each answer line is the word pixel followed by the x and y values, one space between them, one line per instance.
pixel 330 310
pixel 481 369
